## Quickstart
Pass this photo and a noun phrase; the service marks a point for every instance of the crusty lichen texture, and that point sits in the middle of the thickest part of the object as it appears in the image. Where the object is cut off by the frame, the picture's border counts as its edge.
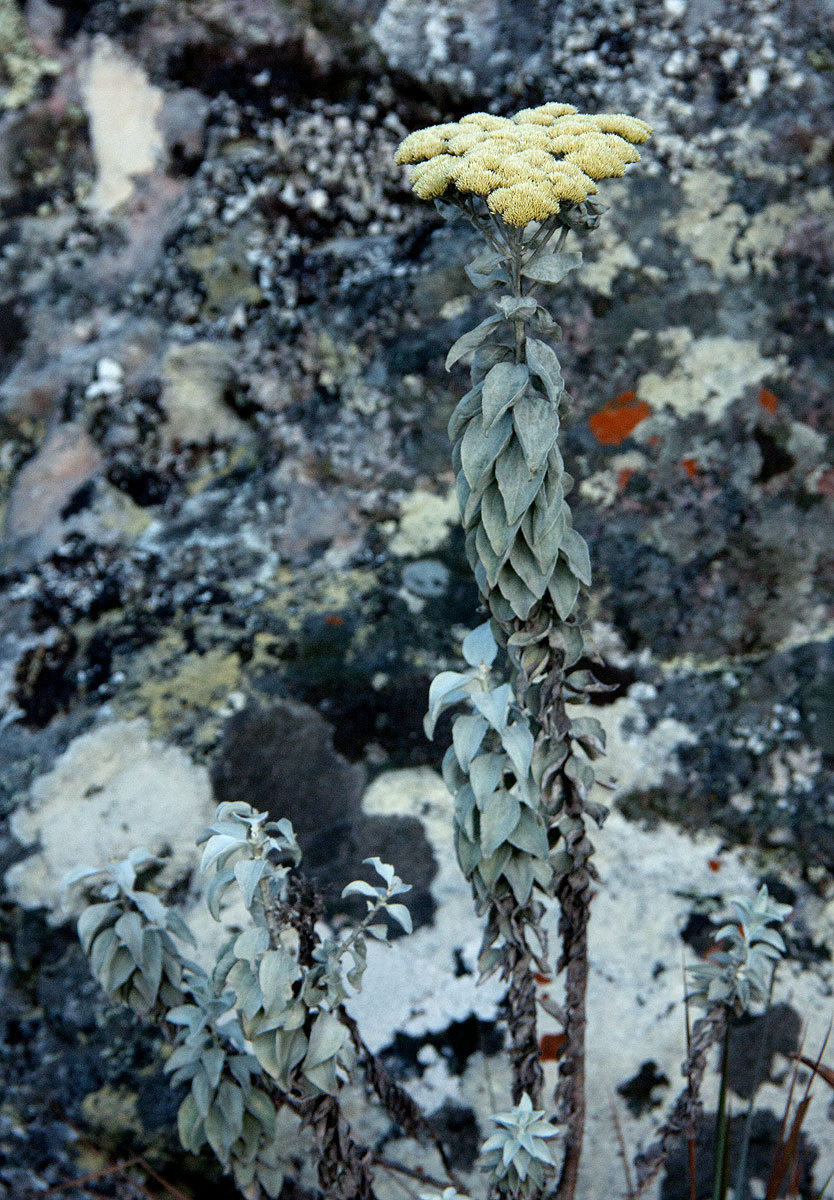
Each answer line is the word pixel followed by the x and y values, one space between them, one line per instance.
pixel 525 166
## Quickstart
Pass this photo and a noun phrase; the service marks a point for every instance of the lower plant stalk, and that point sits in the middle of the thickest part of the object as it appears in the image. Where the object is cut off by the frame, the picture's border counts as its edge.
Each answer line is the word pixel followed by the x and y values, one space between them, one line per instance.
pixel 574 894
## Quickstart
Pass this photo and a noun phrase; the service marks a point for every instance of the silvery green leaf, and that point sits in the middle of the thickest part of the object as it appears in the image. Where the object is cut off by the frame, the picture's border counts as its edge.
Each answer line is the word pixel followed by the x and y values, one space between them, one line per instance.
pixel 479 646
pixel 219 1137
pixel 468 406
pixel 92 921
pixel 472 507
pixel 524 563
pixel 380 932
pixel 499 817
pixel 471 340
pixel 447 688
pixel 447 210
pixel 575 549
pixel 519 874
pixel 220 846
pixel 327 1037
pixel 581 773
pixel 468 852
pixel 467 736
pixel 552 268
pixel 529 834
pixel 589 733
pixel 152 962
pixel 118 970
pixel 490 869
pixel 129 930
pixel 251 944
pixel 518 742
pixel 384 870
pixel 218 884
pixel 277 972
pixel 502 388
pixel 103 948
pixel 494 705
pixel 190 1125
pixel 563 589
pixel 479 450
pixel 184 1014
pixel 517 308
pixel 518 486
pixel 232 810
pixel 485 773
pixel 516 592
pixel 202 1093
pixel 496 527
pixel 544 364
pixel 360 888
pixel 248 875
pixel 545 548
pixel 262 1108
pixel 486 269
pixel 150 906
pixel 536 422
pixel 487 557
pixel 401 915
pixel 463 492
pixel 231 1105
pixel 178 927
pixel 453 776
pixel 485 357
pixel 271 1179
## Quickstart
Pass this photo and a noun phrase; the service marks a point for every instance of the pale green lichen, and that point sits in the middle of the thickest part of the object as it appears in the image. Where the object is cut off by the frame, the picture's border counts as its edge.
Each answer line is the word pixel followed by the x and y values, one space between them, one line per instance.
pixel 21 66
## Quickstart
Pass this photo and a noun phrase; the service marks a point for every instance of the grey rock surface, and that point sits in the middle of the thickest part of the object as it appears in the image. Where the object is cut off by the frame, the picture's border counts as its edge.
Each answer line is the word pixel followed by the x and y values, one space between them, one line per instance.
pixel 230 535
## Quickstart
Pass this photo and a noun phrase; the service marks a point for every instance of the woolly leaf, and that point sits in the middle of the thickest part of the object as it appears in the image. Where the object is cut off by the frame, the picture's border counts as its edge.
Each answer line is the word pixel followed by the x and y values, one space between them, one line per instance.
pixel 536 424
pixel 327 1037
pixel 190 1125
pixel 499 817
pixel 487 558
pixel 494 520
pixel 494 705
pixel 467 736
pixel 575 549
pixel 502 388
pixel 251 944
pixel 516 592
pixel 93 920
pixel 485 774
pixel 517 740
pixel 563 589
pixel 248 875
pixel 471 340
pixel 401 915
pixel 479 646
pixel 447 688
pixel 552 268
pixel 527 568
pixel 150 906
pixel 519 874
pixel 467 407
pixel 129 931
pixel 529 834
pixel 544 364
pixel 479 450
pixel 221 845
pixel 518 487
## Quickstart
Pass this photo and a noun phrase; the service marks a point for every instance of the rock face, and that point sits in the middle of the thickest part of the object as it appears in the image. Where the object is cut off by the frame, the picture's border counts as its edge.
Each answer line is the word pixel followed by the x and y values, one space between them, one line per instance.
pixel 231 557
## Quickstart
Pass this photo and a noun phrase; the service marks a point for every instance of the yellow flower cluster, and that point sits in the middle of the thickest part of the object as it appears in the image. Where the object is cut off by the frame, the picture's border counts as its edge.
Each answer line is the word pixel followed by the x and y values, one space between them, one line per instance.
pixel 523 165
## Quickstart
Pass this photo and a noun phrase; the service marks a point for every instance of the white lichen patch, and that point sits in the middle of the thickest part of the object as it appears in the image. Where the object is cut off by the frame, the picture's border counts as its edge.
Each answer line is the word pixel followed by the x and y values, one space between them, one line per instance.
pixel 610 251
pixel 710 373
pixel 122 108
pixel 636 754
pixel 416 975
pixel 424 523
pixel 112 789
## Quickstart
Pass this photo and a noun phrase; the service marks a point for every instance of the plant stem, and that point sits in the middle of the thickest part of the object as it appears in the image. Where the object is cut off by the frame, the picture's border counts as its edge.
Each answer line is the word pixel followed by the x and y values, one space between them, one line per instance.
pixel 721 1130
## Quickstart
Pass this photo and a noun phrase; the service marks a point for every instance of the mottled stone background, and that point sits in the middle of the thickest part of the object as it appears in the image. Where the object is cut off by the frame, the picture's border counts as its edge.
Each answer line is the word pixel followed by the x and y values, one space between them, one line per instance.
pixel 230 557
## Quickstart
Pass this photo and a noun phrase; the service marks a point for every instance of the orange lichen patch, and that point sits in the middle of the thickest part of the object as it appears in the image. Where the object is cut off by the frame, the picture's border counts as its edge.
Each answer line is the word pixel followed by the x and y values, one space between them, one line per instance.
pixel 539 978
pixel 714 864
pixel 551 1046
pixel 768 400
pixel 334 619
pixel 690 465
pixel 618 418
pixel 623 476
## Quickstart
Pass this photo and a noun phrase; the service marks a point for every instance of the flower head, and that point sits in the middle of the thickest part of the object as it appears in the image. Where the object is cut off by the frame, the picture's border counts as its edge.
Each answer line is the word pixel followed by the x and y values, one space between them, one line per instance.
pixel 525 166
